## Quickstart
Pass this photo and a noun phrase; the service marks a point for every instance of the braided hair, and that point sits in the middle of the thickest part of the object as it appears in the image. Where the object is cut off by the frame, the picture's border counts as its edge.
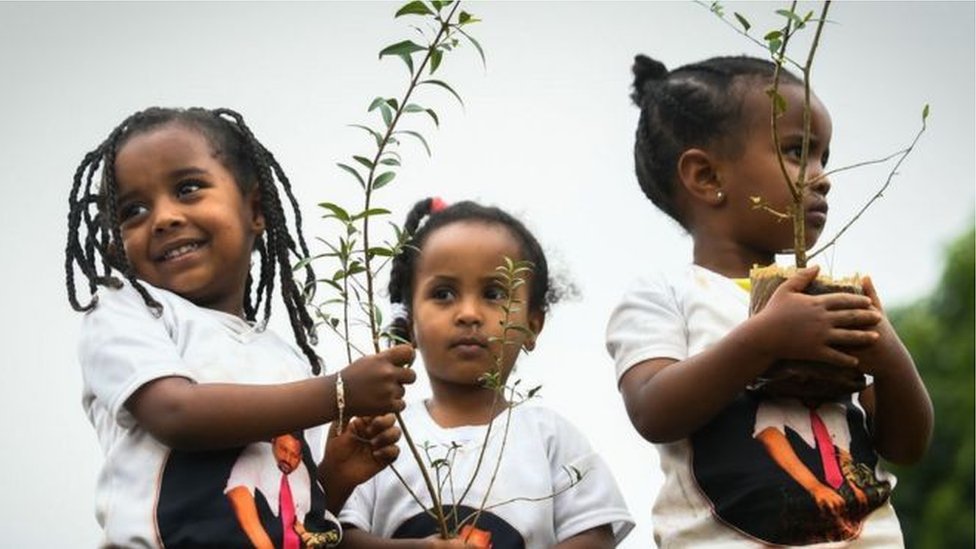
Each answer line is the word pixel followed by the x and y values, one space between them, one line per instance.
pixel 95 240
pixel 401 287
pixel 696 105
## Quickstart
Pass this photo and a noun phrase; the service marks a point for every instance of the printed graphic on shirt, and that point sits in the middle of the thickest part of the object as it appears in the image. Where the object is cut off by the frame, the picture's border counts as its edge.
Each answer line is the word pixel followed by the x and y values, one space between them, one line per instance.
pixel 264 493
pixel 490 532
pixel 788 473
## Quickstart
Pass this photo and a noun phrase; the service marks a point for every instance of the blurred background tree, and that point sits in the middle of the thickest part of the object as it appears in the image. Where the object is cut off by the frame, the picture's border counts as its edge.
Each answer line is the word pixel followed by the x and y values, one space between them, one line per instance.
pixel 935 498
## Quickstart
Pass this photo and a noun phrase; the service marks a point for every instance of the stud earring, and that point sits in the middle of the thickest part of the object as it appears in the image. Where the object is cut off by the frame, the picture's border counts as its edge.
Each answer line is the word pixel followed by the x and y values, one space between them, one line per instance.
pixel 720 196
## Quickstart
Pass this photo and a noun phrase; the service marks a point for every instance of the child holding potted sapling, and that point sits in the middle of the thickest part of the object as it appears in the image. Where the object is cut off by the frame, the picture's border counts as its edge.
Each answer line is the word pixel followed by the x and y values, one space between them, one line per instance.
pixel 743 468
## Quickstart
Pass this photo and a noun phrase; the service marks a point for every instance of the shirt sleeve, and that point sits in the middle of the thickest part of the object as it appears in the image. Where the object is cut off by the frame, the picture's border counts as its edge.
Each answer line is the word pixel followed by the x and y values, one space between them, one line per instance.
pixel 587 495
pixel 358 510
pixel 122 347
pixel 647 324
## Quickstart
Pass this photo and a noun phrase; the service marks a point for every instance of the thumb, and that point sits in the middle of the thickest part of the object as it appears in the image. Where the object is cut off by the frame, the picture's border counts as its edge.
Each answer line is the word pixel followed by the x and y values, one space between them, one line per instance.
pixel 869 290
pixel 800 279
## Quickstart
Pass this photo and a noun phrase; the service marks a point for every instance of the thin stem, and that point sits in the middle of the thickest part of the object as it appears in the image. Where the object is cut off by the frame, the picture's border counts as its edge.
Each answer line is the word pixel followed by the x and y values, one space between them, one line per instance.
pixel 374 330
pixel 877 195
pixel 744 33
pixel 494 474
pixel 481 453
pixel 410 491
pixel 376 162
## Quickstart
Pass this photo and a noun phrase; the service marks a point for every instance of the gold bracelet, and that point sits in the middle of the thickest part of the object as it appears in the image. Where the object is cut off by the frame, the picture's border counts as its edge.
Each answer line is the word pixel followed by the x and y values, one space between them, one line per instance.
pixel 340 400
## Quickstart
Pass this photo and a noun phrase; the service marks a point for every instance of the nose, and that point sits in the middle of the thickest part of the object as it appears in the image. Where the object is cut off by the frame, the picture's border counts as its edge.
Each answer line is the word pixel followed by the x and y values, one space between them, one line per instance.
pixel 166 216
pixel 819 182
pixel 468 313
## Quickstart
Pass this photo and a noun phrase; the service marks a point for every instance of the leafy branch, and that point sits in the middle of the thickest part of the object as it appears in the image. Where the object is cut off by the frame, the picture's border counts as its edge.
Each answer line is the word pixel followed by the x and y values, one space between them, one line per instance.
pixel 442 29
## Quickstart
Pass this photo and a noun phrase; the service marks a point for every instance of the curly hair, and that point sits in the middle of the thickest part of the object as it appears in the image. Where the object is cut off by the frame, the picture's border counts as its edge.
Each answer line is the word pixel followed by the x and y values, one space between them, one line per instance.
pixel 95 240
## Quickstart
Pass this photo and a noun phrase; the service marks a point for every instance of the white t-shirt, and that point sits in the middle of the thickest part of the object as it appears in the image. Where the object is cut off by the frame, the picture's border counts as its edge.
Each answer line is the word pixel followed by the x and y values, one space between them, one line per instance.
pixel 540 455
pixel 721 487
pixel 148 495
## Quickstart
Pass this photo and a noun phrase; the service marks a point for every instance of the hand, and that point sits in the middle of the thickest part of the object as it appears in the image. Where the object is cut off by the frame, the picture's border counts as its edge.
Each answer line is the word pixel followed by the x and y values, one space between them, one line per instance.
pixel 365 447
pixel 871 358
pixel 828 500
pixel 374 384
pixel 807 327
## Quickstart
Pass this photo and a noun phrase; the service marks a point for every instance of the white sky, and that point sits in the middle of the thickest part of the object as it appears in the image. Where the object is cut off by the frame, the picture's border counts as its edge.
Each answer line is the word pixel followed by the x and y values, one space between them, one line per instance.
pixel 547 133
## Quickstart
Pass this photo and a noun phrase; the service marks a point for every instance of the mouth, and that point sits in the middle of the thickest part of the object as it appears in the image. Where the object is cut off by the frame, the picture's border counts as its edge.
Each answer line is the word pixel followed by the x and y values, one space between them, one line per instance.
pixel 817 212
pixel 176 250
pixel 470 341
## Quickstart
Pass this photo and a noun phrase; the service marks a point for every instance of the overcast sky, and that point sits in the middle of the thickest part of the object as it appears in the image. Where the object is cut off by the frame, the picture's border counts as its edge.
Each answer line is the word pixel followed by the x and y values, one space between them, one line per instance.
pixel 547 132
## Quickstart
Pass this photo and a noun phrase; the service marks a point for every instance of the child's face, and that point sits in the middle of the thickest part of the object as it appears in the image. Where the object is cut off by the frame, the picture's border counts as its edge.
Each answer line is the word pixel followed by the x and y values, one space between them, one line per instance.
pixel 185 225
pixel 755 172
pixel 458 299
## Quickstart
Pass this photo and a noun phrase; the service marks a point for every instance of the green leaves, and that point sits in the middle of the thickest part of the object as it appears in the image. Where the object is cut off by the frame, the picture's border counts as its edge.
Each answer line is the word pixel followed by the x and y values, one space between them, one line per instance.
pixel 404 51
pixel 414 8
pixel 382 179
pixel 743 21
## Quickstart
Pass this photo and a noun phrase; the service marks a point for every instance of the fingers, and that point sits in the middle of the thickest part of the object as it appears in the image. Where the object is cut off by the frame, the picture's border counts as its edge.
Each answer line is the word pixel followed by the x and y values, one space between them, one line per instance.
pixel 854 318
pixel 839 300
pixel 400 355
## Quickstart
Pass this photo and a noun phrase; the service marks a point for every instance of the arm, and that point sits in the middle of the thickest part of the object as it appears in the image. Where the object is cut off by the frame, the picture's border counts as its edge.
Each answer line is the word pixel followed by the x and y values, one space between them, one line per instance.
pixel 247 515
pixel 600 537
pixel 669 399
pixel 197 416
pixel 899 409
pixel 782 453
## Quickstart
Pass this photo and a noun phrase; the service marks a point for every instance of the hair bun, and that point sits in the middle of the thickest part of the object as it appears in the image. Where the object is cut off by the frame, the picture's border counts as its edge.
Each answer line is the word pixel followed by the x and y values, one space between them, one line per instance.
pixel 646 70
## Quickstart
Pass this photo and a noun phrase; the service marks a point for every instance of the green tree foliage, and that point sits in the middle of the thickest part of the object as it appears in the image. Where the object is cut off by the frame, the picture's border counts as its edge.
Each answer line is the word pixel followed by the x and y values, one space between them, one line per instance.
pixel 935 498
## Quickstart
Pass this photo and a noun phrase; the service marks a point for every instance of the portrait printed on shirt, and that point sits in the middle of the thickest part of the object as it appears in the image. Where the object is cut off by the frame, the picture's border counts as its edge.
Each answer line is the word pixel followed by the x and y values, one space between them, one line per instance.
pixel 265 492
pixel 787 472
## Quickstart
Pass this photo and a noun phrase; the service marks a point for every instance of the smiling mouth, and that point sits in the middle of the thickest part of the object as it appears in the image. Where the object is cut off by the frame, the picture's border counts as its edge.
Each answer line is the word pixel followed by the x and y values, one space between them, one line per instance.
pixel 179 251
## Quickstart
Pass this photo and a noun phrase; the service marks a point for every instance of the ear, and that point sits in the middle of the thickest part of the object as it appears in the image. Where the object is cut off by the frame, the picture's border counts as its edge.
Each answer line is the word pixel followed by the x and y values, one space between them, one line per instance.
pixel 536 321
pixel 698 173
pixel 257 213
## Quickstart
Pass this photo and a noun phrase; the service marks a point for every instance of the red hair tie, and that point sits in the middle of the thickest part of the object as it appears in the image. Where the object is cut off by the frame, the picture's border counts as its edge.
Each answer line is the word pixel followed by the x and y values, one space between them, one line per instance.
pixel 437 204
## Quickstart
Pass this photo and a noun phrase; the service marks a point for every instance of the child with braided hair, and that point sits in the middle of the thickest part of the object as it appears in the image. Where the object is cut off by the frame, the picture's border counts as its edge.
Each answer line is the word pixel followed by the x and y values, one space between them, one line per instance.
pixel 183 381
pixel 742 469
pixel 451 296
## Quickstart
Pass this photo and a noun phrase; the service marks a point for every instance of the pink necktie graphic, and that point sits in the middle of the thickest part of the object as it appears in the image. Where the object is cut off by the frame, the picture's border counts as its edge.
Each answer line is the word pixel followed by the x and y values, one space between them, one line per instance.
pixel 827 455
pixel 287 508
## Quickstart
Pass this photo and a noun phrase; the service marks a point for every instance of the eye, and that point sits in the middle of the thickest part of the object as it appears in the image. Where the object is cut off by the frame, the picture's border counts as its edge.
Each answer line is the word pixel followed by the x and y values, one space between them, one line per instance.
pixel 130 211
pixel 188 187
pixel 442 293
pixel 793 151
pixel 824 158
pixel 495 292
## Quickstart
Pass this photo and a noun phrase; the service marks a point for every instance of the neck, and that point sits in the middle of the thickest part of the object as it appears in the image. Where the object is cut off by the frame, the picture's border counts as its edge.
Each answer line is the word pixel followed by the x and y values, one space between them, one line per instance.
pixel 455 405
pixel 728 258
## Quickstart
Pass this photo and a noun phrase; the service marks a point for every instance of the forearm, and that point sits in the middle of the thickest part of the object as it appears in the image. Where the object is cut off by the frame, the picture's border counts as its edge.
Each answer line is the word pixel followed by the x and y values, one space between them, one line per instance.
pixel 336 490
pixel 201 416
pixel 354 538
pixel 901 411
pixel 600 537
pixel 670 400
pixel 779 449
